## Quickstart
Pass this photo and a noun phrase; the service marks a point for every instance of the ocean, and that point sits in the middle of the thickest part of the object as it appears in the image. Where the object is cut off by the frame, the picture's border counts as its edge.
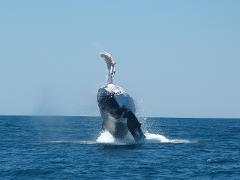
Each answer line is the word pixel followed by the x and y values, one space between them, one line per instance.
pixel 75 148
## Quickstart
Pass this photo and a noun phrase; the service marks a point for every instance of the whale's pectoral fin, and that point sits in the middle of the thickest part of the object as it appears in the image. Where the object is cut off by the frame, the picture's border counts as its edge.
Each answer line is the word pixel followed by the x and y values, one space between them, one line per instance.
pixel 110 66
pixel 134 126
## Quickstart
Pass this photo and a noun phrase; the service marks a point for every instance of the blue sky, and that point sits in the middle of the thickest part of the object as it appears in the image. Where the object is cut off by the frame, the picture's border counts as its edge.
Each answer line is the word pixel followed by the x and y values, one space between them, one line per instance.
pixel 176 58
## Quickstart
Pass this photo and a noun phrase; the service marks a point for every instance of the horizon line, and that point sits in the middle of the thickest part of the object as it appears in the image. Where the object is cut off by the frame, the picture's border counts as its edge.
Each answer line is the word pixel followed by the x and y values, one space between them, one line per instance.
pixel 96 116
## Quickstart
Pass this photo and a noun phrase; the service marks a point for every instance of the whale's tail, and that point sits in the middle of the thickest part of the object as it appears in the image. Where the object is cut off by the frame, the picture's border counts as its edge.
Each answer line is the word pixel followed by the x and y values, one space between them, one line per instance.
pixel 110 66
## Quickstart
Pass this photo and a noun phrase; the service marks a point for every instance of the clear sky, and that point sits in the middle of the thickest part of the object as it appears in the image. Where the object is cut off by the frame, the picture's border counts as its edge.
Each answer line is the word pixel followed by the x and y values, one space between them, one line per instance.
pixel 176 58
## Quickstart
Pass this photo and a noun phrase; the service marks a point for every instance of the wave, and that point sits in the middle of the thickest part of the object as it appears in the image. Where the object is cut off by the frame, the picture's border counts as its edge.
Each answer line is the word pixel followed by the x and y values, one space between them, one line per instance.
pixel 71 142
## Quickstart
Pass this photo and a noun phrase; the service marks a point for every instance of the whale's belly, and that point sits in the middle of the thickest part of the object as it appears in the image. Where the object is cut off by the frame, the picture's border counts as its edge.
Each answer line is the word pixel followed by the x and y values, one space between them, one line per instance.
pixel 117 127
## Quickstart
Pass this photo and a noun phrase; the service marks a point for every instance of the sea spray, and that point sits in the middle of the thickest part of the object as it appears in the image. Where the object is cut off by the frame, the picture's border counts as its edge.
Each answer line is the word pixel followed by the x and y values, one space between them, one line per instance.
pixel 158 138
pixel 106 138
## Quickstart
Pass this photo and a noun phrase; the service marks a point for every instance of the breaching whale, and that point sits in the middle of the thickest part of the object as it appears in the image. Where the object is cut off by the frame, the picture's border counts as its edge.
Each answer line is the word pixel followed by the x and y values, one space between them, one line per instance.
pixel 117 107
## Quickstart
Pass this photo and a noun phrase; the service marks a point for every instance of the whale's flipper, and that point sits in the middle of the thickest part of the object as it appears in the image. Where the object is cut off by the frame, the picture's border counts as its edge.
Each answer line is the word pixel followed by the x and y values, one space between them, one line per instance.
pixel 108 59
pixel 134 126
pixel 110 66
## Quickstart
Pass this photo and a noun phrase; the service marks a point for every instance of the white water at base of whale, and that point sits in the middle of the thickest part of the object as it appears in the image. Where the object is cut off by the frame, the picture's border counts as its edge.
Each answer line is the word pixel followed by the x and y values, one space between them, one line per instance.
pixel 106 138
pixel 158 138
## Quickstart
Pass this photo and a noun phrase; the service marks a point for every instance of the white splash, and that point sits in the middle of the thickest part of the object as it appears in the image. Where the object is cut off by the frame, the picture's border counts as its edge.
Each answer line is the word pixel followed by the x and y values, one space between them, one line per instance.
pixel 106 138
pixel 158 138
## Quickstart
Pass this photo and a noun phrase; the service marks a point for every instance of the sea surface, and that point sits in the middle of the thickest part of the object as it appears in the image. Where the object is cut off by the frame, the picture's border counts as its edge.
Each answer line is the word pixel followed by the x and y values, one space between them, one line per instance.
pixel 76 148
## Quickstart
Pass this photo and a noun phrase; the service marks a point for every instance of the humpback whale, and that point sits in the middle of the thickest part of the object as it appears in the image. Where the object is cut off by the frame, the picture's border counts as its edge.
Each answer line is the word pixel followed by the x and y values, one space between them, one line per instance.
pixel 117 107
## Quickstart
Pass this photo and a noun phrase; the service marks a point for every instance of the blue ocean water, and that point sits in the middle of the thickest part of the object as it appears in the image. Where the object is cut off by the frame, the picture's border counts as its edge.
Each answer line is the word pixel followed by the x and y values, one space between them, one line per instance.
pixel 75 148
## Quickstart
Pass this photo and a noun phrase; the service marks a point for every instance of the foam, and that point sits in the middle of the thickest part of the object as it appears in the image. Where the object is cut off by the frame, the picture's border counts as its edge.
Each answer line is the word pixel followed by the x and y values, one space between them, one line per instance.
pixel 158 138
pixel 106 138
